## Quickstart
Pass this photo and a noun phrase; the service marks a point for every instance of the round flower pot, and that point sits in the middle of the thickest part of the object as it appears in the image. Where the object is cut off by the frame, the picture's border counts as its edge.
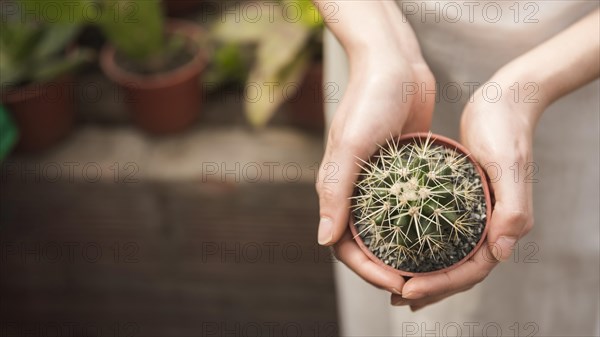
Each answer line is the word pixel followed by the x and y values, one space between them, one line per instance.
pixel 166 102
pixel 488 196
pixel 43 112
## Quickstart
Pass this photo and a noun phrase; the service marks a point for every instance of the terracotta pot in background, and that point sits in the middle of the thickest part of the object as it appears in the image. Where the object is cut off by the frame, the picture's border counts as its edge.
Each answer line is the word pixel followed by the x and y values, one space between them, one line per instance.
pixel 307 109
pixel 449 143
pixel 161 103
pixel 44 112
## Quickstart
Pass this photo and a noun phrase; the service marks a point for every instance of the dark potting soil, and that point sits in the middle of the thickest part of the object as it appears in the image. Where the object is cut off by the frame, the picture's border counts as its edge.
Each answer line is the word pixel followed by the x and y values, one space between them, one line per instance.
pixel 454 250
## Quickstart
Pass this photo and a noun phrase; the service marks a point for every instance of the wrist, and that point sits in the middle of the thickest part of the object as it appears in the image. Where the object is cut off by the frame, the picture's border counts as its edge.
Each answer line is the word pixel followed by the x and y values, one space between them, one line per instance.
pixel 375 36
pixel 383 43
pixel 522 91
pixel 387 62
pixel 530 83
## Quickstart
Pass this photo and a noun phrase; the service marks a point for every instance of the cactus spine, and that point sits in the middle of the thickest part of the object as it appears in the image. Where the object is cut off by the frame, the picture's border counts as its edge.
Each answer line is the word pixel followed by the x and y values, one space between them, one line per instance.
pixel 419 206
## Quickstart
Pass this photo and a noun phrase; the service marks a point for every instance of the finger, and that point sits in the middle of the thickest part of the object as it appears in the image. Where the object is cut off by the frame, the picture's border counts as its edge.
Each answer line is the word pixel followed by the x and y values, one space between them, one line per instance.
pixel 398 300
pixel 468 274
pixel 338 172
pixel 337 175
pixel 347 251
pixel 512 214
pixel 352 136
pixel 503 148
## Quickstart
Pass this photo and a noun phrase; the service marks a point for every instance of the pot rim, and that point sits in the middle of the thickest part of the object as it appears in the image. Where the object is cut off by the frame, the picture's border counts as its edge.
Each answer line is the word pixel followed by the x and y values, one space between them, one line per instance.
pixel 180 74
pixel 488 193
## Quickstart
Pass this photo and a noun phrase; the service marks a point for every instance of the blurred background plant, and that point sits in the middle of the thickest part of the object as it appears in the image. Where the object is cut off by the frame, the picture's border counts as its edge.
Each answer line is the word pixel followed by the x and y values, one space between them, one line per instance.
pixel 135 27
pixel 37 59
pixel 142 46
pixel 157 62
pixel 143 42
pixel 35 52
pixel 156 194
pixel 268 57
pixel 249 53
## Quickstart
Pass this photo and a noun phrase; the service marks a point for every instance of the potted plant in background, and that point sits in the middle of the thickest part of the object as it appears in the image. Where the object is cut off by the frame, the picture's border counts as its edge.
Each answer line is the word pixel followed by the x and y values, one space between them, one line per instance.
pixel 421 205
pixel 35 62
pixel 285 63
pixel 157 62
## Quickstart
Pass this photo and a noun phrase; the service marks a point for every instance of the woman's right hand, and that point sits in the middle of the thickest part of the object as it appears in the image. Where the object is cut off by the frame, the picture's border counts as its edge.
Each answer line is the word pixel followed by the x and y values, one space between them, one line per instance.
pixel 384 98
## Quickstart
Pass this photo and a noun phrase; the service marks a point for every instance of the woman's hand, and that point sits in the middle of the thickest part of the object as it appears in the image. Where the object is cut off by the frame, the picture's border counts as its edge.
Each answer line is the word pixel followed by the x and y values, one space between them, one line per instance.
pixel 371 111
pixel 499 135
pixel 383 99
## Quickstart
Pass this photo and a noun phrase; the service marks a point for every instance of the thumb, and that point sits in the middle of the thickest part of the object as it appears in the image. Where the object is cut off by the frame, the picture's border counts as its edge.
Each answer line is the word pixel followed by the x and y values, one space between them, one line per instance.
pixel 335 185
pixel 512 215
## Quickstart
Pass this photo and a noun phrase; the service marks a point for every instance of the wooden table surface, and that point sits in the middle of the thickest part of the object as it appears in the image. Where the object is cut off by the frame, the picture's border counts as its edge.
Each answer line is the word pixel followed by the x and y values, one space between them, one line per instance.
pixel 162 259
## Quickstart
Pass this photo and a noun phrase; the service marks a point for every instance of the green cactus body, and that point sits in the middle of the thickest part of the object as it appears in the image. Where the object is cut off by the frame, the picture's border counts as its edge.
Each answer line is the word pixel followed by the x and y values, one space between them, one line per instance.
pixel 419 206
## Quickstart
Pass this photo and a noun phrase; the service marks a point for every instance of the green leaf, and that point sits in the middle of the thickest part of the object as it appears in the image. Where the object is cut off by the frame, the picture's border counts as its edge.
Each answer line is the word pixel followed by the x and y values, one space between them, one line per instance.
pixel 56 67
pixel 18 39
pixel 54 41
pixel 270 90
pixel 280 46
pixel 229 64
pixel 11 73
pixel 281 58
pixel 308 14
pixel 34 52
pixel 60 11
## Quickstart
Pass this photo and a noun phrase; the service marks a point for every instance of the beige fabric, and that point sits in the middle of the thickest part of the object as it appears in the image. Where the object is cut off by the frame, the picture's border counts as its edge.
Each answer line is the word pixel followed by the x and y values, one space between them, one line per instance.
pixel 551 287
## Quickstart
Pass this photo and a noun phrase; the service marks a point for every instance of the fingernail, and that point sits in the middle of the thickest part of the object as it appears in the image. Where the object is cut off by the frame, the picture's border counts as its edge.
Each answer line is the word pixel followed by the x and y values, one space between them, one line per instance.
pixel 398 301
pixel 396 291
pixel 503 247
pixel 412 295
pixel 325 231
pixel 415 308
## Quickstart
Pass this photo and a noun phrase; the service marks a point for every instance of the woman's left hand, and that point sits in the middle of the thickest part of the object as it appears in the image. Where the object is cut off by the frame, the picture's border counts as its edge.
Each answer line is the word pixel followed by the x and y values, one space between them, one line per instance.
pixel 498 132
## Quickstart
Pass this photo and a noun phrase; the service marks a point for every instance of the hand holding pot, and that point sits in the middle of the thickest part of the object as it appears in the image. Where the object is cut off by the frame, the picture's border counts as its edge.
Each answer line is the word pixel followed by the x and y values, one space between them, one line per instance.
pixel 499 136
pixel 384 59
pixel 499 132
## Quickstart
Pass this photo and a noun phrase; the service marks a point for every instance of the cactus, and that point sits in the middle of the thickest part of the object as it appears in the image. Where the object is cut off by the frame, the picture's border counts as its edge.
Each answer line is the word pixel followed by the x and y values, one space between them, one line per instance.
pixel 419 206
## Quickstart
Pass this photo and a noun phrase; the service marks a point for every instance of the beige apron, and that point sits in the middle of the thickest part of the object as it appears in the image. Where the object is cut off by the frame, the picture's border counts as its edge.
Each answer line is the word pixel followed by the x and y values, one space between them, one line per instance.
pixel 551 286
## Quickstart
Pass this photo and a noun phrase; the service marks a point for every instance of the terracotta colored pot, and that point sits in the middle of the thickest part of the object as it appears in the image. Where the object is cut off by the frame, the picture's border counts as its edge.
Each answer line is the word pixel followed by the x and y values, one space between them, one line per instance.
pixel 181 7
pixel 161 103
pixel 307 109
pixel 43 112
pixel 449 143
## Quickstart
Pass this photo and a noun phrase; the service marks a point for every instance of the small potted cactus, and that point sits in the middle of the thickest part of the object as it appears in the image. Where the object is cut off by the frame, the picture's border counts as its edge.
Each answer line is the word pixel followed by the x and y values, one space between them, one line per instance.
pixel 420 205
